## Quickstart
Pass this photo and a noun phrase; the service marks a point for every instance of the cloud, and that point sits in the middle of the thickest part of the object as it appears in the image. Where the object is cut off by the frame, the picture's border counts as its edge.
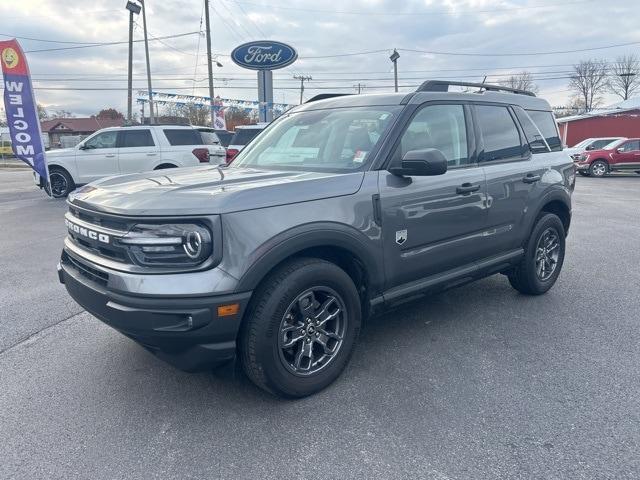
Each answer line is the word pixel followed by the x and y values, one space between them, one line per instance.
pixel 452 26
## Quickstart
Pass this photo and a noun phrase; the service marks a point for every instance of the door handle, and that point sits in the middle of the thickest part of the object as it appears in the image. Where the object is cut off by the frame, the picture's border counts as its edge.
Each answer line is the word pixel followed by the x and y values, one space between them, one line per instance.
pixel 467 188
pixel 151 154
pixel 110 155
pixel 531 178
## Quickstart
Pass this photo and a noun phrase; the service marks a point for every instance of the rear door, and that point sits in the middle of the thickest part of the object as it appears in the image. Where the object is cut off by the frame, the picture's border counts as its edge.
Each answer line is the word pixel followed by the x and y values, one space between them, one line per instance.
pixel 513 175
pixel 434 223
pixel 97 157
pixel 137 150
pixel 627 156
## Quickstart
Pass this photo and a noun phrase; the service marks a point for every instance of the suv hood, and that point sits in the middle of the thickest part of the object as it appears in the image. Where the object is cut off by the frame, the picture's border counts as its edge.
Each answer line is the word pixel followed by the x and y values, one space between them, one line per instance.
pixel 60 152
pixel 204 191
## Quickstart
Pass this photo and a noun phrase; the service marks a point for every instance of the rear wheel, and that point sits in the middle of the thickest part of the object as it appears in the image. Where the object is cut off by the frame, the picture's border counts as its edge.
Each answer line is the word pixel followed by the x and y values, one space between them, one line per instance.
pixel 60 183
pixel 598 168
pixel 543 257
pixel 301 330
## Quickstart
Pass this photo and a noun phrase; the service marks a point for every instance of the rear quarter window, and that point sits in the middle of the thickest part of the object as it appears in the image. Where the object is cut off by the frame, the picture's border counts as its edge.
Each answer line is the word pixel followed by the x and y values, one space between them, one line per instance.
pixel 183 136
pixel 547 125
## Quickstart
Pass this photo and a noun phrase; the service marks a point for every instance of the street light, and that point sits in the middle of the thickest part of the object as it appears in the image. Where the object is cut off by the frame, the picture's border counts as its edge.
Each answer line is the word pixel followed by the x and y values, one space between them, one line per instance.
pixel 133 8
pixel 394 58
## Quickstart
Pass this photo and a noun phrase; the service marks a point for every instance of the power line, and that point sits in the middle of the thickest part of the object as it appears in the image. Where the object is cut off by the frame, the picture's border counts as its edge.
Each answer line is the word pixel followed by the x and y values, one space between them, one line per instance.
pixel 429 13
pixel 250 19
pixel 105 44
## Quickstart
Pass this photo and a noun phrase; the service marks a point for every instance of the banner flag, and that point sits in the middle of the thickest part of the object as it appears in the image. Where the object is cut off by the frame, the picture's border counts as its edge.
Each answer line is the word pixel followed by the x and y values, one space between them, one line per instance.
pixel 21 109
pixel 219 122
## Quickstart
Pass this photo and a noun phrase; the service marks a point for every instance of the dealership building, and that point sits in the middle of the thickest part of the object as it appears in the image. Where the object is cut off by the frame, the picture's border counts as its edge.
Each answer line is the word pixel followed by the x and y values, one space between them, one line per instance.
pixel 618 120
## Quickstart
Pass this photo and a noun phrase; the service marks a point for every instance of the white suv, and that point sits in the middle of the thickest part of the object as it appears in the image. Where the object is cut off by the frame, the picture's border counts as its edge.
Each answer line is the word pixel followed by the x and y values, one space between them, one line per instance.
pixel 122 150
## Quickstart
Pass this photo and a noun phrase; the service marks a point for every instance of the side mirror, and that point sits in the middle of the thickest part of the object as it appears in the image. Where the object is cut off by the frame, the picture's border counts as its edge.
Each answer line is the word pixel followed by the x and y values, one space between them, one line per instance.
pixel 590 147
pixel 620 149
pixel 427 162
pixel 82 146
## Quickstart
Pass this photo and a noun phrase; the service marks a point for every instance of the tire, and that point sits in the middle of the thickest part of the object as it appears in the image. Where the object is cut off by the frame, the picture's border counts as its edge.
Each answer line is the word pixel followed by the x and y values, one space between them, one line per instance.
pixel 61 182
pixel 268 353
pixel 583 173
pixel 599 168
pixel 526 277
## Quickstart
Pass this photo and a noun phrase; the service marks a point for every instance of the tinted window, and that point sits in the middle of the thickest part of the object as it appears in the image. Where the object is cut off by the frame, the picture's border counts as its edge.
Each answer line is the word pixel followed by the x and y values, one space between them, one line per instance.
pixel 499 132
pixel 598 144
pixel 534 137
pixel 244 136
pixel 224 137
pixel 631 145
pixel 137 138
pixel 548 127
pixel 183 136
pixel 437 126
pixel 209 138
pixel 102 140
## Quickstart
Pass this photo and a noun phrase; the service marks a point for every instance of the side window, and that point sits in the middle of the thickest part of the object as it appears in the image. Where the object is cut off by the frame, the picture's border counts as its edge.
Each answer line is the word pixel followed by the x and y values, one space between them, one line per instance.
pixel 102 140
pixel 534 137
pixel 441 127
pixel 499 132
pixel 183 136
pixel 547 125
pixel 631 145
pixel 137 138
pixel 598 144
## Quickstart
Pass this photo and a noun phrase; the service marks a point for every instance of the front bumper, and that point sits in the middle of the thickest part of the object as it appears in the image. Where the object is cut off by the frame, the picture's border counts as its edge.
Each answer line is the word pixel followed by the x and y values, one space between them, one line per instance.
pixel 185 331
pixel 582 166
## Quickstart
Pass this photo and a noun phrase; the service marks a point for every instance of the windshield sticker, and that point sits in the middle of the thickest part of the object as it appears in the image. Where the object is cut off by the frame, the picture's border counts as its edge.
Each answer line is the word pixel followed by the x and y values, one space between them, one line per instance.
pixel 359 156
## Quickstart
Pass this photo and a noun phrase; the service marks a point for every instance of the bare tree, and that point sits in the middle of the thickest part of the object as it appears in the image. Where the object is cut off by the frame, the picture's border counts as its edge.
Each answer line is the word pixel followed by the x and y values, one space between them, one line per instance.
pixel 588 82
pixel 624 78
pixel 521 81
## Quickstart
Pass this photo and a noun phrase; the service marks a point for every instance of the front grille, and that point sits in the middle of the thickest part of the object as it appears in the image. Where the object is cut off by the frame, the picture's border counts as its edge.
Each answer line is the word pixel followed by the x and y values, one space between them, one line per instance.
pixel 113 226
pixel 85 270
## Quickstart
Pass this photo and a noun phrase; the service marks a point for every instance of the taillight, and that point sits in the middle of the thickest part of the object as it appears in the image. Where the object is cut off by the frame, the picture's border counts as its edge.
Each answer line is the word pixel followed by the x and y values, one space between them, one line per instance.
pixel 202 154
pixel 231 153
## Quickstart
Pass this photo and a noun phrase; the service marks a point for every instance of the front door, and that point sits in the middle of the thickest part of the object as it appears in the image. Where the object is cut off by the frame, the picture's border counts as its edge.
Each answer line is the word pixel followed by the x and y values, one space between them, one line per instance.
pixel 97 157
pixel 627 156
pixel 433 224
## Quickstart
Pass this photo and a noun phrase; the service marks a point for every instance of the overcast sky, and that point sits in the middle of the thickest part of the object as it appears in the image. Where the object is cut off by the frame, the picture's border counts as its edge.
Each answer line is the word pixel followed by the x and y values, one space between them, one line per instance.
pixel 496 29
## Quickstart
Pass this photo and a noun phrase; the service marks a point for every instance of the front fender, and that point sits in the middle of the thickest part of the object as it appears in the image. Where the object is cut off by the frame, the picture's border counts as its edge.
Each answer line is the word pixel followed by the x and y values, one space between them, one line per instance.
pixel 320 234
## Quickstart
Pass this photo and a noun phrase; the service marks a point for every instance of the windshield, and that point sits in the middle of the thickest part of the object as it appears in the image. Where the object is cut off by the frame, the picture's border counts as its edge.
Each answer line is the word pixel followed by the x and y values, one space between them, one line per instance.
pixel 583 143
pixel 339 139
pixel 614 144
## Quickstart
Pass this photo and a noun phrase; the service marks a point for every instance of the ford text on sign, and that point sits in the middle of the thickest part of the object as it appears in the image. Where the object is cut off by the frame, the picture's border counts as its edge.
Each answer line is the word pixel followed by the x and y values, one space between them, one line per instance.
pixel 264 55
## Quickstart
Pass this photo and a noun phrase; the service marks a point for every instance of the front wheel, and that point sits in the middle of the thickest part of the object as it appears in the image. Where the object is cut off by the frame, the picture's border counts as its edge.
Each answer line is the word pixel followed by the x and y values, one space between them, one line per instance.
pixel 60 184
pixel 543 257
pixel 583 173
pixel 301 329
pixel 598 168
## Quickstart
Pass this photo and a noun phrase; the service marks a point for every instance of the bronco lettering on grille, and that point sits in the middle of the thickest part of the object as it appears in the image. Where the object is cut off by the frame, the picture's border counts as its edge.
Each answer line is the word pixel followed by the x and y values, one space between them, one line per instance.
pixel 85 232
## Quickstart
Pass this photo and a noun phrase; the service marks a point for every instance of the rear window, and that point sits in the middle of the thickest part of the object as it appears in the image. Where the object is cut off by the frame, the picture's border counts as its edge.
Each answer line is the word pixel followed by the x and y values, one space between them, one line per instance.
pixel 244 136
pixel 224 137
pixel 183 136
pixel 547 125
pixel 209 138
pixel 137 138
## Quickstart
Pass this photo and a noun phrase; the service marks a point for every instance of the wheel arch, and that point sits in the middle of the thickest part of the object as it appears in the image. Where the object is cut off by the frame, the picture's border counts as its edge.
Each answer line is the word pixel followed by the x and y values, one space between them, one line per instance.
pixel 57 166
pixel 556 202
pixel 163 165
pixel 338 244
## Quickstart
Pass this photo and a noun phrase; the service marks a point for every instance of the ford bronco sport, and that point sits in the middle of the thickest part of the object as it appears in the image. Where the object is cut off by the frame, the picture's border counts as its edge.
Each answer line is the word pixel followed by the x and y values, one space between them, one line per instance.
pixel 340 207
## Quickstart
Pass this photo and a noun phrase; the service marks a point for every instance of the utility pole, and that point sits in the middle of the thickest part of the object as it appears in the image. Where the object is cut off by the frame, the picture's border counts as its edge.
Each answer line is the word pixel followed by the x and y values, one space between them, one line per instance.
pixel 302 78
pixel 133 8
pixel 146 51
pixel 394 58
pixel 209 63
pixel 359 86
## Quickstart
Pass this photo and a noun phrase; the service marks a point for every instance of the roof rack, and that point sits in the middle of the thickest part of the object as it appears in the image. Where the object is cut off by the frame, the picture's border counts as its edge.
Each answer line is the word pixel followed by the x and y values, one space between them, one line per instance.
pixel 443 86
pixel 323 96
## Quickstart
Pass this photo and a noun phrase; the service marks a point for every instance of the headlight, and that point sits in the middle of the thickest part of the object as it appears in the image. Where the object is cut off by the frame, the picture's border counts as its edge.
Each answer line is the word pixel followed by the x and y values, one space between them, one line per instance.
pixel 168 245
pixel 583 158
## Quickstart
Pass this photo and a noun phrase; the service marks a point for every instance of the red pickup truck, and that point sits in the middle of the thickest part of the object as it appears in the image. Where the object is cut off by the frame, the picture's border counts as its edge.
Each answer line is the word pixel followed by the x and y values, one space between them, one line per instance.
pixel 623 155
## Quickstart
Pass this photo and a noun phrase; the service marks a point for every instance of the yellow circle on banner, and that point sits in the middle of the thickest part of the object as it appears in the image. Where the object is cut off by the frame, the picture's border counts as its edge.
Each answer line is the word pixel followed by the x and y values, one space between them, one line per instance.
pixel 10 57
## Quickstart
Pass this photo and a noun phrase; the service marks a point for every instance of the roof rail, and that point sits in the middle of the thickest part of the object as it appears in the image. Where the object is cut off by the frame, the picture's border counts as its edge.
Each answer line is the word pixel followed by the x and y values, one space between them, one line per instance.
pixel 322 96
pixel 443 86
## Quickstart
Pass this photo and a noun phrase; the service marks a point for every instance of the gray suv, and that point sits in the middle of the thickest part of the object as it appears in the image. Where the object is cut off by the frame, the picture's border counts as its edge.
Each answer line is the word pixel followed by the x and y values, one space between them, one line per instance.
pixel 341 207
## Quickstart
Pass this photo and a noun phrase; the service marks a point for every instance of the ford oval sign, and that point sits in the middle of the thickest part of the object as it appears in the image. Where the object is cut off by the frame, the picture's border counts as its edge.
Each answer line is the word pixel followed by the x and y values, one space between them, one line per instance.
pixel 265 55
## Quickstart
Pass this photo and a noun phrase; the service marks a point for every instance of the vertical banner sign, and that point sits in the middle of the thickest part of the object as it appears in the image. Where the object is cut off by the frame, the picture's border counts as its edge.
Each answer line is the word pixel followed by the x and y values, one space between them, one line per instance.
pixel 20 106
pixel 219 120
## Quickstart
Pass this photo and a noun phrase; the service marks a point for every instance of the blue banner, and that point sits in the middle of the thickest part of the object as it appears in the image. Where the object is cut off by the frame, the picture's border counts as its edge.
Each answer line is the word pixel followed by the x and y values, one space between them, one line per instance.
pixel 21 109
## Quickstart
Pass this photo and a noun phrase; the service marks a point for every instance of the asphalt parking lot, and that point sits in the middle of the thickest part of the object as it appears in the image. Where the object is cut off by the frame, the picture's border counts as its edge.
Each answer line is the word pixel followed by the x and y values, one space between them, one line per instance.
pixel 478 382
